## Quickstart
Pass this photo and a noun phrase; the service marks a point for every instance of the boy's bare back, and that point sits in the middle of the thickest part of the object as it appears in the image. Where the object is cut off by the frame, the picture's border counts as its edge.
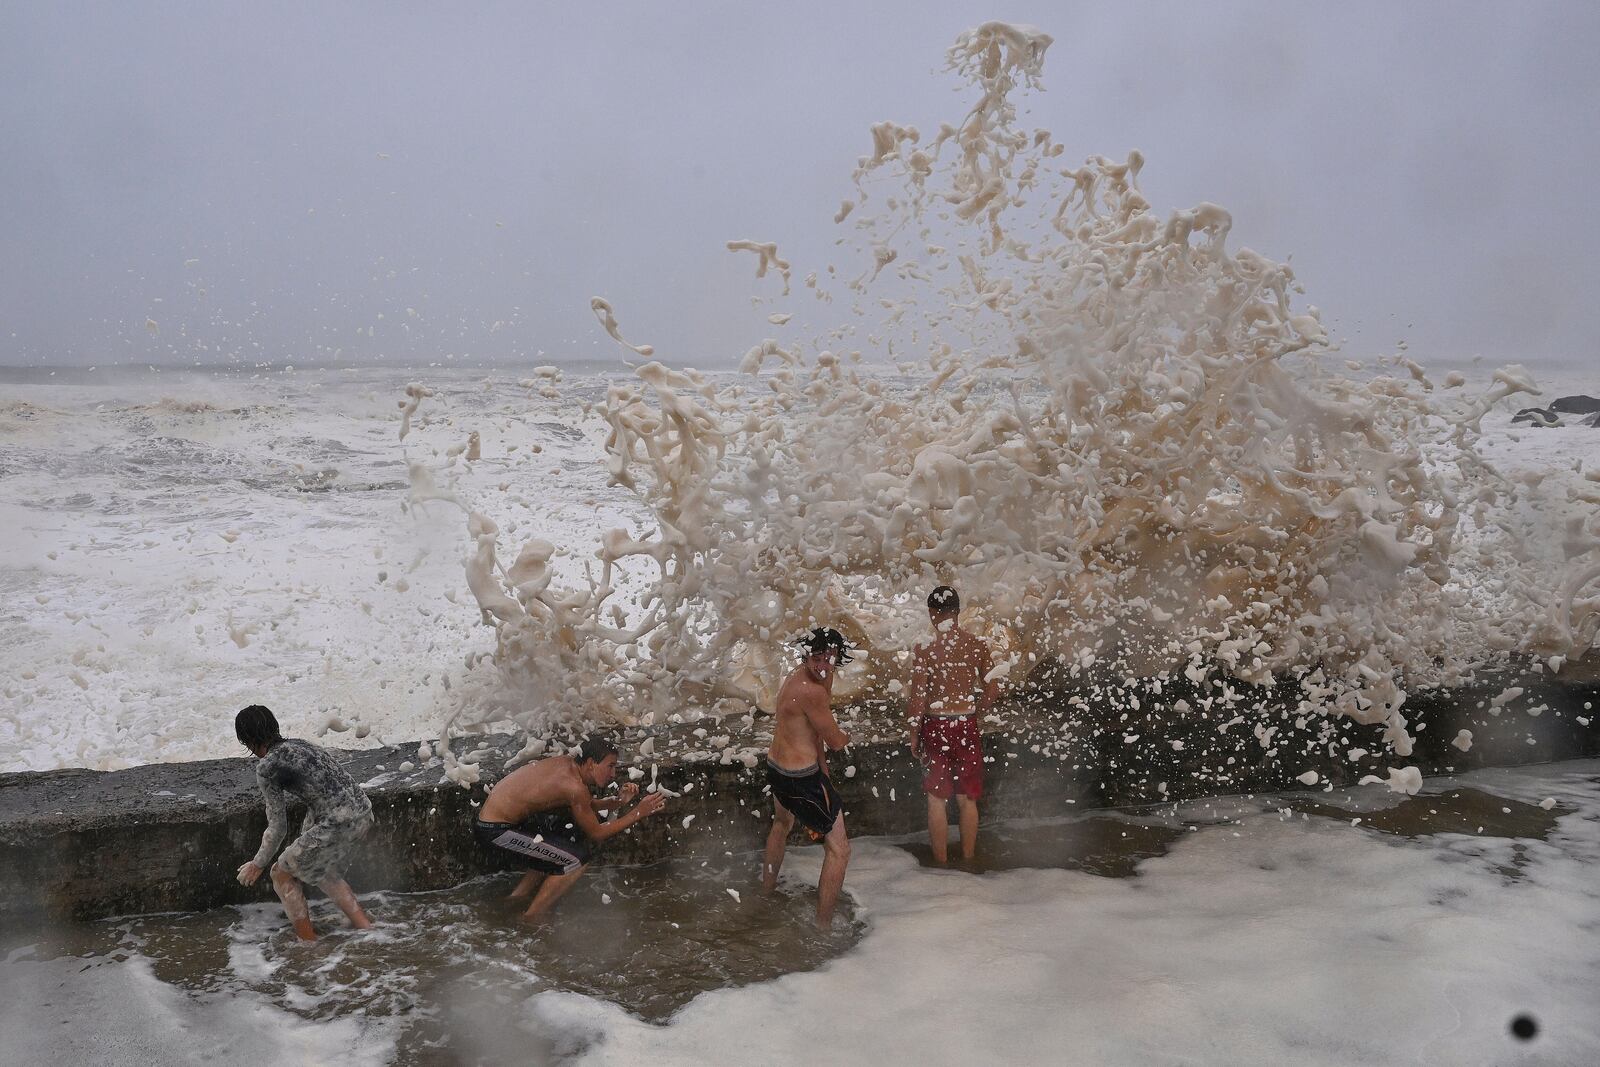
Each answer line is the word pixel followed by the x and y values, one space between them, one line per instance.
pixel 947 677
pixel 535 787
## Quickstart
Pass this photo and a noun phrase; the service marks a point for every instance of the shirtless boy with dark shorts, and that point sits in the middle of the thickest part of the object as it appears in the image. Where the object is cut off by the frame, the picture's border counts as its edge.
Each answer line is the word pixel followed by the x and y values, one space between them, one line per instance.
pixel 797 769
pixel 544 813
pixel 949 693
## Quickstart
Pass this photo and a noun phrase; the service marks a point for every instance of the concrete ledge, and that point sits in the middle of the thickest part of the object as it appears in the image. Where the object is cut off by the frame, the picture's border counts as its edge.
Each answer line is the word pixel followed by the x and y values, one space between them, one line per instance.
pixel 78 844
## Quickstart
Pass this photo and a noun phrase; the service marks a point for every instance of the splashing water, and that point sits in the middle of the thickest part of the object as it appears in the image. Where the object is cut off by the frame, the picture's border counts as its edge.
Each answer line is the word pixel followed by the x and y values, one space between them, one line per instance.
pixel 1114 433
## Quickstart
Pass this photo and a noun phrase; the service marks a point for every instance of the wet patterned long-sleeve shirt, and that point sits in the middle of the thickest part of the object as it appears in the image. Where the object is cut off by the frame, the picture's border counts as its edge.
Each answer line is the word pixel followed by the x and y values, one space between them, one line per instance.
pixel 303 771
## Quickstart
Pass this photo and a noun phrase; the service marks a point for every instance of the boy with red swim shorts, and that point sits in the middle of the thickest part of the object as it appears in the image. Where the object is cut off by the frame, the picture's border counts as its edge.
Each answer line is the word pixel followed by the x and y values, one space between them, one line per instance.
pixel 950 690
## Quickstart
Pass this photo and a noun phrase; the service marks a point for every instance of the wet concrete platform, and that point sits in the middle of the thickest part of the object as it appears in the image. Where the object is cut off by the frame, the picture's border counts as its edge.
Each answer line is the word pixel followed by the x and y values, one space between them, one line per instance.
pixel 77 844
pixel 169 837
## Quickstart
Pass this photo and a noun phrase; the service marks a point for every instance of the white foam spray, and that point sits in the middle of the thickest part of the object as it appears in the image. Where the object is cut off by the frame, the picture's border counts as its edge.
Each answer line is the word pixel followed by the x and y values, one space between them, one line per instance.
pixel 1120 441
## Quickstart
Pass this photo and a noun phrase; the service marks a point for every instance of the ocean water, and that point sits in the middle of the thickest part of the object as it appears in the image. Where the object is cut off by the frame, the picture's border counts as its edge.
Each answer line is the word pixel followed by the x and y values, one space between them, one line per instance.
pixel 181 544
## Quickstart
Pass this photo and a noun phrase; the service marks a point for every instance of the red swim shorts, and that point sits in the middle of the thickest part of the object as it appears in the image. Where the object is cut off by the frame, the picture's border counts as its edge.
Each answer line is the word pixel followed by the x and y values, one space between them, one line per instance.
pixel 952 752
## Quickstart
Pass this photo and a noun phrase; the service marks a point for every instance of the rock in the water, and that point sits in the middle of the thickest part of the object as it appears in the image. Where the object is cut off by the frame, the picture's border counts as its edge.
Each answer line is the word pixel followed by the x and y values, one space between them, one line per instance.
pixel 1537 417
pixel 1575 405
pixel 1563 405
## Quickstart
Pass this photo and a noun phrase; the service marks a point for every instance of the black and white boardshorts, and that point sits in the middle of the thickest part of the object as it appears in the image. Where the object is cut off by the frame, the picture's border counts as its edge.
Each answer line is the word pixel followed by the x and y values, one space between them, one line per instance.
pixel 548 841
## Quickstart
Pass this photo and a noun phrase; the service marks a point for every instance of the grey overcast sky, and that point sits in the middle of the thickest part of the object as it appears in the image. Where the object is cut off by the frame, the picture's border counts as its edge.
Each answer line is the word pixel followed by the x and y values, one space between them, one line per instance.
pixel 263 180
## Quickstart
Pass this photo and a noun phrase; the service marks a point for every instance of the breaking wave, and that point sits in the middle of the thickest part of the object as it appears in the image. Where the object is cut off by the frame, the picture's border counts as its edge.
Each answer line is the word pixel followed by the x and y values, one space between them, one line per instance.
pixel 1117 434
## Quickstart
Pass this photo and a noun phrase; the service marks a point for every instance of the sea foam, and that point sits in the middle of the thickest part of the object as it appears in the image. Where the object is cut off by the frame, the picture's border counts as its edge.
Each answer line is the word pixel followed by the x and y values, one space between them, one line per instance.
pixel 1119 435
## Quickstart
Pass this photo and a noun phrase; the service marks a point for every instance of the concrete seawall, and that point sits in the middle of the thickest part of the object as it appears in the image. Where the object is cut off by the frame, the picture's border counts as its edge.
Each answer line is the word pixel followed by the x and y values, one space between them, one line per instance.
pixel 78 844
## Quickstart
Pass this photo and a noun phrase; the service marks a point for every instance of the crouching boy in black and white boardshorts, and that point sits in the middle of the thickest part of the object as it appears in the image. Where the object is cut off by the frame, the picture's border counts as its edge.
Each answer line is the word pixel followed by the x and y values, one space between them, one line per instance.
pixel 544 813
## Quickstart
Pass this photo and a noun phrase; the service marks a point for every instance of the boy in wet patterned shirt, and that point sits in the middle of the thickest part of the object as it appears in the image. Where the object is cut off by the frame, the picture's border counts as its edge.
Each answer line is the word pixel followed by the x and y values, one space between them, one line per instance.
pixel 338 816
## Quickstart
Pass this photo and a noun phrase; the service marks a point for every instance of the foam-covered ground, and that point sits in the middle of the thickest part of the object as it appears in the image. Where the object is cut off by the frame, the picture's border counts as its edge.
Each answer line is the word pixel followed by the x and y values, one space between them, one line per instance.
pixel 1267 939
pixel 1264 935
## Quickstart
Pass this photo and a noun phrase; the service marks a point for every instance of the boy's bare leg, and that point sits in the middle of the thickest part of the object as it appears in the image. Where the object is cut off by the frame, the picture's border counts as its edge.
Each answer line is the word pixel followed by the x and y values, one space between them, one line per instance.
pixel 968 813
pixel 527 885
pixel 339 891
pixel 550 890
pixel 294 902
pixel 777 840
pixel 835 857
pixel 939 830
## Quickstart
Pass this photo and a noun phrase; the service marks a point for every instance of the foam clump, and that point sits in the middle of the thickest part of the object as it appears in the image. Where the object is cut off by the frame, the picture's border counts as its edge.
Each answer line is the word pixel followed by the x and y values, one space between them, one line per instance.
pixel 608 319
pixel 769 258
pixel 1122 443
pixel 1406 780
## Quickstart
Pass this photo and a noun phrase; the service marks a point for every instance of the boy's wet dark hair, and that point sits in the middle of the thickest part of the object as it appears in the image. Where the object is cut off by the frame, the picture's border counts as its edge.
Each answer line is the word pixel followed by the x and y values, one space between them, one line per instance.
pixel 256 727
pixel 944 601
pixel 595 748
pixel 825 639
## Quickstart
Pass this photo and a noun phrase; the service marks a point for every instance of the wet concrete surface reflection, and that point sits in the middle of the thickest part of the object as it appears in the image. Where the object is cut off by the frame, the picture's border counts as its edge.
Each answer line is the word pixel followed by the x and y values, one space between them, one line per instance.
pixel 1454 811
pixel 1098 844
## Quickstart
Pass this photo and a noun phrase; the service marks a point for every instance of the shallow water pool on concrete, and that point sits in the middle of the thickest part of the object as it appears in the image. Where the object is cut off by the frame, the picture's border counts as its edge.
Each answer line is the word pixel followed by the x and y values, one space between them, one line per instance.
pixel 1352 926
pixel 443 963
